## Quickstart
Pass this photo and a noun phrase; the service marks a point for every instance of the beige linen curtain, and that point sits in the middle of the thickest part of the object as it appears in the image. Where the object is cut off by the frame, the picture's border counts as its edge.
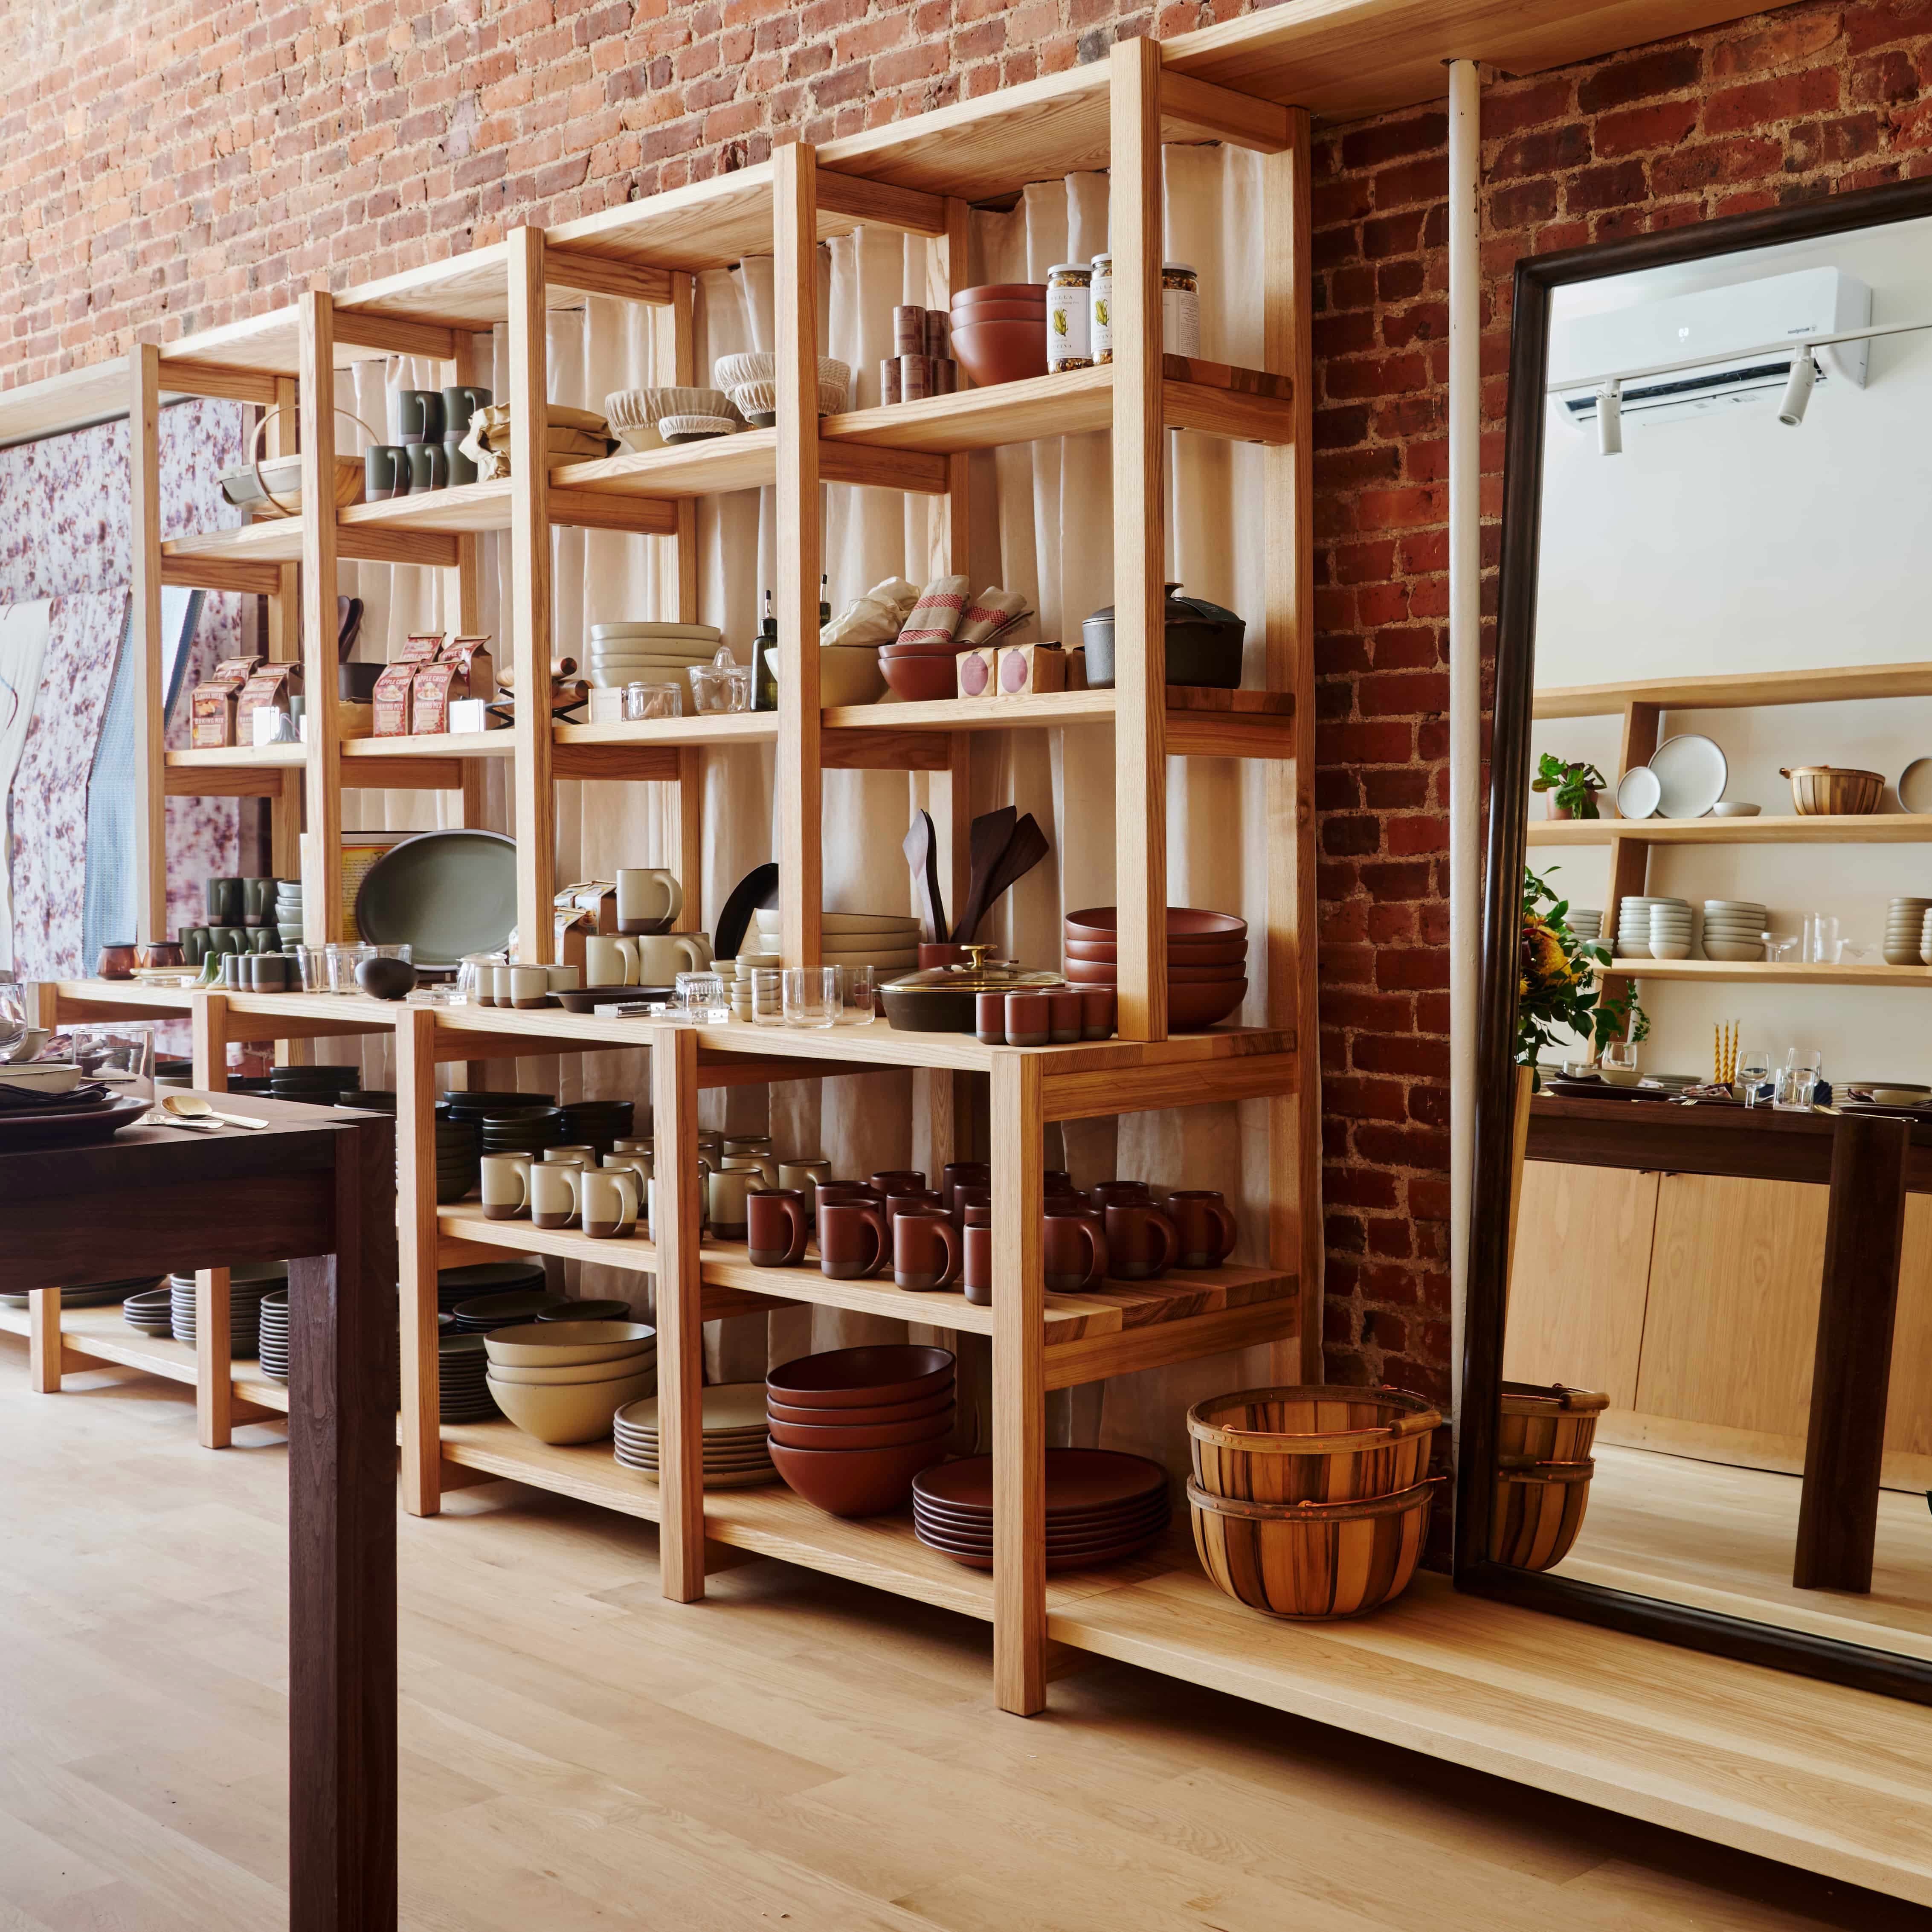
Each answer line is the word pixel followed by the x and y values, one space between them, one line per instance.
pixel 1041 525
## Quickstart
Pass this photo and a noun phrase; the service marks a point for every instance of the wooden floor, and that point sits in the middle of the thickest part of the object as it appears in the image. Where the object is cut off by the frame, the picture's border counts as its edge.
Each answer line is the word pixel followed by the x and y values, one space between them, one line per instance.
pixel 1721 1538
pixel 797 1750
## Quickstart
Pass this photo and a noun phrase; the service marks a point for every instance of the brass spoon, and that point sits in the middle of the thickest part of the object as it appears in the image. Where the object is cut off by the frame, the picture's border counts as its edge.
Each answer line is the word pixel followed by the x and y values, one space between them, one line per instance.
pixel 192 1107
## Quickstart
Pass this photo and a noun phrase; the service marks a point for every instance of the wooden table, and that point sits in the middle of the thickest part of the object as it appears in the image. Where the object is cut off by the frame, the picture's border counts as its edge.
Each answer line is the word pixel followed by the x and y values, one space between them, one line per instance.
pixel 317 1188
pixel 1870 1162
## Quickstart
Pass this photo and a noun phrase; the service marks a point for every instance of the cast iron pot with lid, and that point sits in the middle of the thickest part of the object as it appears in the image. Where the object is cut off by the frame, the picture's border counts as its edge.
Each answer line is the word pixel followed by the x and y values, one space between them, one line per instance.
pixel 1204 643
pixel 940 999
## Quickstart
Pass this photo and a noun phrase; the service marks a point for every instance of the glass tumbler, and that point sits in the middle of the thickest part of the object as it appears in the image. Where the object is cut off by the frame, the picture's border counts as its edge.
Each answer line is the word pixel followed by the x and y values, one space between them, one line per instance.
pixel 811 996
pixel 344 956
pixel 643 701
pixel 858 995
pixel 767 996
pixel 312 968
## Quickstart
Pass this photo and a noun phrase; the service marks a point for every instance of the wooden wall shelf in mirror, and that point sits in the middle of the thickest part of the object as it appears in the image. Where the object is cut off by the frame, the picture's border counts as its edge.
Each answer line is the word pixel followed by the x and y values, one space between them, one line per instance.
pixel 1711 539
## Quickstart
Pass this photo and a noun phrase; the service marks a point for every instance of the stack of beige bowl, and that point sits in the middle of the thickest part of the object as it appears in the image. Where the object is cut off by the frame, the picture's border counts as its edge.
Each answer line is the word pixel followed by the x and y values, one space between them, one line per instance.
pixel 562 1381
pixel 887 941
pixel 649 653
pixel 735 1453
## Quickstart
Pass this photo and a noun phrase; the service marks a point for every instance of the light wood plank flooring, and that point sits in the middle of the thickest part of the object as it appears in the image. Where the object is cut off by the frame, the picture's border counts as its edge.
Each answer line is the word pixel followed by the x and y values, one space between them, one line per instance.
pixel 798 1750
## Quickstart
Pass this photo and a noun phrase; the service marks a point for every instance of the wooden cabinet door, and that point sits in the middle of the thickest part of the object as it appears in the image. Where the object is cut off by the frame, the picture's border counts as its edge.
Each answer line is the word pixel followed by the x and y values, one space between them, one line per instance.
pixel 1583 1264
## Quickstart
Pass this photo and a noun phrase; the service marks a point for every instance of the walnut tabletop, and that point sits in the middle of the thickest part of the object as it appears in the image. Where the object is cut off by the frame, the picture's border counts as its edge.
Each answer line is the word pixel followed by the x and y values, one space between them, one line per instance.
pixel 316 1187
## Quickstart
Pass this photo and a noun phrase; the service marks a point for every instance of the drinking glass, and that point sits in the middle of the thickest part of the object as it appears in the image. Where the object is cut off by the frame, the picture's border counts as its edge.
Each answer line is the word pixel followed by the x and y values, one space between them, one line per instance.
pixel 811 996
pixel 643 701
pixel 1619 1056
pixel 121 1055
pixel 344 956
pixel 1821 939
pixel 404 952
pixel 1754 1074
pixel 767 996
pixel 858 995
pixel 312 968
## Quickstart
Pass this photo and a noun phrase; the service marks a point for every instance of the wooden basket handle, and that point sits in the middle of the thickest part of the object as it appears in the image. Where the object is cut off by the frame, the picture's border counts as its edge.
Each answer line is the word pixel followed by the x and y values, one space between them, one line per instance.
pixel 255 453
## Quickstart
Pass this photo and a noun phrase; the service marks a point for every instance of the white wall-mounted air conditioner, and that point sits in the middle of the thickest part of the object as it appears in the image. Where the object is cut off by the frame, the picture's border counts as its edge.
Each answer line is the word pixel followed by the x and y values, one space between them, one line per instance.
pixel 1745 316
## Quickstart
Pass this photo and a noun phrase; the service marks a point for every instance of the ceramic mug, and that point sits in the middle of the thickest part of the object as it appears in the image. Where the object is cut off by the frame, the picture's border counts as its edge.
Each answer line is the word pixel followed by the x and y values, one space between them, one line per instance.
pixel 761 1165
pixel 662 956
pixel 460 401
pixel 580 1151
pixel 553 1185
pixel 853 1241
pixel 258 901
pixel 711 1144
pixel 776 1221
pixel 805 1175
pixel 1064 1017
pixel 1141 1241
pixel 704 1199
pixel 958 1173
pixel 385 472
pixel 461 468
pixel 418 414
pixel 269 972
pixel 964 1199
pixel 637 1164
pixel 429 467
pixel 975 1271
pixel 609 1198
pixel 500 985
pixel 1029 1019
pixel 1206 1230
pixel 506 1186
pixel 841 1190
pixel 926 1250
pixel 1105 1193
pixel 910 1200
pixel 891 1181
pixel 989 1018
pixel 224 902
pixel 561 978
pixel 1098 1007
pixel 529 986
pixel 1073 1245
pixel 729 1189
pixel 649 899
pixel 608 962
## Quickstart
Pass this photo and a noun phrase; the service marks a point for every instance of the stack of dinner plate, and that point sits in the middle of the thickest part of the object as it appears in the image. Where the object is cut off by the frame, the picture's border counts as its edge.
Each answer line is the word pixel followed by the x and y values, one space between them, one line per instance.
pixel 464 1379
pixel 648 653
pixel 1102 1506
pixel 1904 930
pixel 152 1311
pixel 97 1295
pixel 246 1286
pixel 736 1456
pixel 1734 929
pixel 275 1346
pixel 1633 924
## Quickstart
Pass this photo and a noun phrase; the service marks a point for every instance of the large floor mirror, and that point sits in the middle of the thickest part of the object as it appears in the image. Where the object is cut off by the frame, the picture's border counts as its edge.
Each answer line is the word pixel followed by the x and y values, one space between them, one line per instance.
pixel 1698 1388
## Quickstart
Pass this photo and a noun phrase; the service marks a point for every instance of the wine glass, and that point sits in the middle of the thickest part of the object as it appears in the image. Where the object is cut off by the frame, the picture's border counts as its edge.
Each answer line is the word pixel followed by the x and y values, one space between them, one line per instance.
pixel 1753 1073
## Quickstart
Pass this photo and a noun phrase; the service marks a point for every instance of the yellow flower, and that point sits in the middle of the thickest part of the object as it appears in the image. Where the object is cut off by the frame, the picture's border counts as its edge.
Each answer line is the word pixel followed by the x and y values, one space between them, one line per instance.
pixel 1546 968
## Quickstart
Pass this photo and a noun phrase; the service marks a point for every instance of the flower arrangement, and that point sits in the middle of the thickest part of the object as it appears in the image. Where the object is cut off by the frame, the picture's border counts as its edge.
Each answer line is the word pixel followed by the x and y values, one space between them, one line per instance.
pixel 1557 988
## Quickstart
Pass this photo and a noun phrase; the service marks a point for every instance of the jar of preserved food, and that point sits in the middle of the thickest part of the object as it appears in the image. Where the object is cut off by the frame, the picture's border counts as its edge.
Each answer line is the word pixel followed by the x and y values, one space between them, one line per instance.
pixel 1100 309
pixel 1179 309
pixel 1069 301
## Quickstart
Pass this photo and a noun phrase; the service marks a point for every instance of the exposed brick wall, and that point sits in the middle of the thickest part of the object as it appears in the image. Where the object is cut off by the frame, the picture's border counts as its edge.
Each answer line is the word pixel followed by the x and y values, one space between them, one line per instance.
pixel 172 164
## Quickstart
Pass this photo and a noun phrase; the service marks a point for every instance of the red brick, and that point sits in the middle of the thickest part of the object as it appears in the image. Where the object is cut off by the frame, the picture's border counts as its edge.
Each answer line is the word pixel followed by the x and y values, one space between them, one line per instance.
pixel 1617 83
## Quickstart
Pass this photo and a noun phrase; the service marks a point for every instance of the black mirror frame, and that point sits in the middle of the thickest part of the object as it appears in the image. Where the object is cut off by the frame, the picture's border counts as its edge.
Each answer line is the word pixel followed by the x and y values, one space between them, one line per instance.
pixel 1852 1664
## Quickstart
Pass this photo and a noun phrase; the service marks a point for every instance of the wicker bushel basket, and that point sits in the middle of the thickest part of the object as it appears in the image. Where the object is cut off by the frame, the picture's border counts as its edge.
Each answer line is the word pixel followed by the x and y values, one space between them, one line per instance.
pixel 1312 1560
pixel 1310 1443
pixel 1548 1424
pixel 1537 1513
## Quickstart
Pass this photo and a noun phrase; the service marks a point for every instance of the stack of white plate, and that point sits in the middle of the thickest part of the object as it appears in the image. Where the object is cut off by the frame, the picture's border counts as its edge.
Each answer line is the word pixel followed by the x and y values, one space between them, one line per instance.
pixel 622 654
pixel 1586 923
pixel 889 942
pixel 1904 932
pixel 1633 924
pixel 736 1454
pixel 1734 929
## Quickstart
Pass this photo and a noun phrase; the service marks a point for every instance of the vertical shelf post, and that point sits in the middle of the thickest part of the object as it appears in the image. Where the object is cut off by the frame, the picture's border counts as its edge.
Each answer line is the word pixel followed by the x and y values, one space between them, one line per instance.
pixel 1134 203
pixel 144 641
pixel 214 1357
pixel 676 323
pixel 800 787
pixel 1630 855
pixel 1295 1233
pixel 534 812
pixel 416 1254
pixel 322 864
pixel 675 1228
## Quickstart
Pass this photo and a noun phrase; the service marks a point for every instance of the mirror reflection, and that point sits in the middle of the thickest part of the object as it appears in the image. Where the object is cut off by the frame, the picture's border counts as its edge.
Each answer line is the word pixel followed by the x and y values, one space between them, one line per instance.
pixel 1729 905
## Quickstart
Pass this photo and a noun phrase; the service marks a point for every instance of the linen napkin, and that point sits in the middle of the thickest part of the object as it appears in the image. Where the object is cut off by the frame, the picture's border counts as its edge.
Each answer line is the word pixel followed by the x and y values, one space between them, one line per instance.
pixel 935 617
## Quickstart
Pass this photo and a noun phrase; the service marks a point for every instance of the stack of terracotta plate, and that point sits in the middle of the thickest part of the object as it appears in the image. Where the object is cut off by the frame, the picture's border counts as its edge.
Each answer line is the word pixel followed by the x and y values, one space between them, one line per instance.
pixel 1101 1507
pixel 1207 961
pixel 735 1456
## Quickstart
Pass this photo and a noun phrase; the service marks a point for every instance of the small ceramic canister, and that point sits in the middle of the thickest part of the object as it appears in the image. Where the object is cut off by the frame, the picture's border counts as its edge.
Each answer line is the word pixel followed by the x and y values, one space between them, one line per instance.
pixel 506 1186
pixel 1029 1019
pixel 775 1224
pixel 1064 1009
pixel 989 1018
pixel 1206 1230
pixel 1141 1241
pixel 853 1241
pixel 926 1250
pixel 1097 1008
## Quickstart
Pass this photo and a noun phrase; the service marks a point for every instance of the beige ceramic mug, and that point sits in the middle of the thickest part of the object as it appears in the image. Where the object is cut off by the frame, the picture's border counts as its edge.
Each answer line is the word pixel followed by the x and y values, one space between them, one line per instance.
pixel 703 1200
pixel 553 1185
pixel 662 956
pixel 506 1186
pixel 805 1175
pixel 609 1198
pixel 760 1164
pixel 608 962
pixel 584 1157
pixel 637 1165
pixel 649 898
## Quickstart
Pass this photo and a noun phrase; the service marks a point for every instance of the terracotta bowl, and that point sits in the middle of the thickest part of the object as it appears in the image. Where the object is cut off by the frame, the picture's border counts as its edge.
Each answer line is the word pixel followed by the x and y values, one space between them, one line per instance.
pixel 1183 922
pixel 1026 292
pixel 1196 1005
pixel 1002 311
pixel 862 1377
pixel 1180 951
pixel 992 353
pixel 1105 972
pixel 856 1482
pixel 945 650
pixel 921 679
pixel 919 1409
pixel 858 1435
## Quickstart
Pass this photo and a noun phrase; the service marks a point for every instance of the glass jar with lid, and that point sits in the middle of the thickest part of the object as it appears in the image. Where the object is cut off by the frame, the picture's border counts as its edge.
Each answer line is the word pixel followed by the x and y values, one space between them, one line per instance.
pixel 1179 309
pixel 1100 308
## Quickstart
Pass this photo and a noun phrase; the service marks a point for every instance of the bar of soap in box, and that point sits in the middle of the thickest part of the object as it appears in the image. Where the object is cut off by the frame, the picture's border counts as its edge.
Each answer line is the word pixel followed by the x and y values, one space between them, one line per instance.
pixel 977 669
pixel 1025 669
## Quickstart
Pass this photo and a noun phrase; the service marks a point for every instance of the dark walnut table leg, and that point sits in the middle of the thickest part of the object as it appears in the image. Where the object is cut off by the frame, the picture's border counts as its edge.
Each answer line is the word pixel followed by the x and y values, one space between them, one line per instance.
pixel 1837 1513
pixel 342 1558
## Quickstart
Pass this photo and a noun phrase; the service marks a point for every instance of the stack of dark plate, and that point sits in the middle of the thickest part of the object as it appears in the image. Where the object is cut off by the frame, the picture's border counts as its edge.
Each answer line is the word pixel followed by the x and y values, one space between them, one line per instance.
pixel 369 1099
pixel 598 1124
pixel 274 1343
pixel 521 1129
pixel 483 1312
pixel 31 1117
pixel 474 1104
pixel 98 1294
pixel 1102 1507
pixel 588 1311
pixel 314 1086
pixel 455 1285
pixel 249 1083
pixel 246 1287
pixel 465 1380
pixel 459 1157
pixel 151 1311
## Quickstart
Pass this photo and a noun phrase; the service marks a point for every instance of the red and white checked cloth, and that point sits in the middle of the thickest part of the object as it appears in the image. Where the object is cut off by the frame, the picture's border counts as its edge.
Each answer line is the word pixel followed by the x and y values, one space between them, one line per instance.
pixel 935 617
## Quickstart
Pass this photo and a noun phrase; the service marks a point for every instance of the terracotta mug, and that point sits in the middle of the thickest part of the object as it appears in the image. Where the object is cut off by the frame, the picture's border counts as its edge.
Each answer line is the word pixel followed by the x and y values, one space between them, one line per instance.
pixel 891 1181
pixel 775 1219
pixel 1056 1180
pixel 926 1250
pixel 989 1018
pixel 1098 1013
pixel 553 1185
pixel 609 1196
pixel 1073 1244
pixel 963 1198
pixel 958 1174
pixel 853 1241
pixel 1105 1193
pixel 912 1200
pixel 841 1190
pixel 1207 1229
pixel 506 1186
pixel 1141 1241
pixel 729 1189
pixel 1064 1016
pixel 976 1270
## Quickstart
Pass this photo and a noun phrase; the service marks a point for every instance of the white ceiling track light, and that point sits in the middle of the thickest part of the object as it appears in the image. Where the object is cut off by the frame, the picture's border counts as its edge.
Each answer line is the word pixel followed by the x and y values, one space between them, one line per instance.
pixel 1610 419
pixel 1798 391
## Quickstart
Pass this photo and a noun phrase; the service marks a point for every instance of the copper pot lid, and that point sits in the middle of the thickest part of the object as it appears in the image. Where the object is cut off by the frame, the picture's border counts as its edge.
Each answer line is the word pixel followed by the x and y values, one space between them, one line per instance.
pixel 978 975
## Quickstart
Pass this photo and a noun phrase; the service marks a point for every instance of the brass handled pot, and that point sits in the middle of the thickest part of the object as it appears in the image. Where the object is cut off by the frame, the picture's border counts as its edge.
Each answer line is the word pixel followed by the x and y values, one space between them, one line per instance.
pixel 940 999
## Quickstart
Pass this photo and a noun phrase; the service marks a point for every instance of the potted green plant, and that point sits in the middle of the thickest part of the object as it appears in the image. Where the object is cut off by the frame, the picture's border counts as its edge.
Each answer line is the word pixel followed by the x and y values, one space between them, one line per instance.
pixel 1573 787
pixel 1557 989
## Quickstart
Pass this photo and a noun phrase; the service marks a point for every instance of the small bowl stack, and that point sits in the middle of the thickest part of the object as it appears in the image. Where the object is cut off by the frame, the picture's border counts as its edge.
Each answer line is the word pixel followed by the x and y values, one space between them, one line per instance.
pixel 288 919
pixel 152 1311
pixel 845 1467
pixel 562 1382
pixel 314 1086
pixel 484 1314
pixel 1734 929
pixel 650 653
pixel 1586 923
pixel 459 1156
pixel 1670 930
pixel 1207 961
pixel 999 331
pixel 463 1379
pixel 1905 920
pixel 1633 924
pixel 598 1124
pixel 246 1287
pixel 1102 1507
pixel 735 1453
pixel 887 941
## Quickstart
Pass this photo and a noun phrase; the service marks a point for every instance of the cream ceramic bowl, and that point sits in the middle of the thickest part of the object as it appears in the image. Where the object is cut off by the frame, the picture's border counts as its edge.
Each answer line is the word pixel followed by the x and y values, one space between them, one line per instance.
pixel 642 1363
pixel 554 1344
pixel 579 1412
pixel 849 674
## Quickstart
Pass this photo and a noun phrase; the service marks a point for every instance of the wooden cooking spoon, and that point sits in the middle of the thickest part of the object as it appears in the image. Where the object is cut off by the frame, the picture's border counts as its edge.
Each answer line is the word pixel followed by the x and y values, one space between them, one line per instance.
pixel 1024 850
pixel 992 832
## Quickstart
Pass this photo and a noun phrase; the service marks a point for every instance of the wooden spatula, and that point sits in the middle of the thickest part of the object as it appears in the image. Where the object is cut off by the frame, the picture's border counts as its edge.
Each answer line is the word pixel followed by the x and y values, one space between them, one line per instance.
pixel 921 852
pixel 1024 850
pixel 992 833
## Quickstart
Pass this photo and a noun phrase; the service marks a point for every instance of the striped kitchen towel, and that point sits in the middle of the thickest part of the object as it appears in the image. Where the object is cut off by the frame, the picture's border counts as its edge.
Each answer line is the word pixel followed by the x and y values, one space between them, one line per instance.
pixel 935 617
